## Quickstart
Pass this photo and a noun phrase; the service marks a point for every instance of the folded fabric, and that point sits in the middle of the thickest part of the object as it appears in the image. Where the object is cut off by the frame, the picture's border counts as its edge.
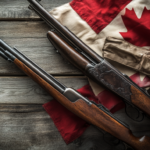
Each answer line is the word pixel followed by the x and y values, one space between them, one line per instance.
pixel 98 14
pixel 127 54
pixel 129 22
pixel 92 21
pixel 71 126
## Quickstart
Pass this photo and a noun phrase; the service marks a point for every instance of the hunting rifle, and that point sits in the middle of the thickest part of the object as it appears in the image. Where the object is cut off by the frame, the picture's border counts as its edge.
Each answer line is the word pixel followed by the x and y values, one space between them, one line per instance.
pixel 92 65
pixel 95 114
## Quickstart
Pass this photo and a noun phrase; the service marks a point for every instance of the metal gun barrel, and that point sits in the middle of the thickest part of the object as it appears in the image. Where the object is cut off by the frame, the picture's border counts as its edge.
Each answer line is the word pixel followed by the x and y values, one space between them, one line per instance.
pixel 3 55
pixel 63 31
pixel 47 77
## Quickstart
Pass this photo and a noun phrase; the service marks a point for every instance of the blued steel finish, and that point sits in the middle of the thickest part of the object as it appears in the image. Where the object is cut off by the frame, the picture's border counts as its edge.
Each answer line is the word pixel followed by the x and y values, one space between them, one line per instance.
pixel 2 54
pixel 47 77
pixel 104 73
pixel 78 45
pixel 69 93
pixel 73 95
pixel 65 33
pixel 109 78
pixel 95 114
pixel 6 55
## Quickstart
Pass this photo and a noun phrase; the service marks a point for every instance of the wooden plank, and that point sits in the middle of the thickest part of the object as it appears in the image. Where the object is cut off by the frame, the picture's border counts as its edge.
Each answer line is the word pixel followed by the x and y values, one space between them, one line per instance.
pixel 24 124
pixel 30 127
pixel 23 29
pixel 30 38
pixel 18 10
pixel 25 91
pixel 45 57
pixel 29 131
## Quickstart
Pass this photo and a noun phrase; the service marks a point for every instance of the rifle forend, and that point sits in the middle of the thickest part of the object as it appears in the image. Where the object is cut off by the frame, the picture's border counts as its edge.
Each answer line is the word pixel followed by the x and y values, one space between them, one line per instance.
pixel 103 73
pixel 64 32
pixel 97 69
pixel 72 100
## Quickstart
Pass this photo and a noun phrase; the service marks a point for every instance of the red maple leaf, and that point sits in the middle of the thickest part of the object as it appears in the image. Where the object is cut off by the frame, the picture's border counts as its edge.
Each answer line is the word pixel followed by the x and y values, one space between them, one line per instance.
pixel 138 30
pixel 138 33
pixel 136 78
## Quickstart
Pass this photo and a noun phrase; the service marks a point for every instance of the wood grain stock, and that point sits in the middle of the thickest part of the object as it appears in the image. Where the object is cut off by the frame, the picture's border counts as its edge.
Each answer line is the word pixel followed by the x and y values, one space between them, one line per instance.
pixel 67 51
pixel 90 113
pixel 101 73
pixel 140 100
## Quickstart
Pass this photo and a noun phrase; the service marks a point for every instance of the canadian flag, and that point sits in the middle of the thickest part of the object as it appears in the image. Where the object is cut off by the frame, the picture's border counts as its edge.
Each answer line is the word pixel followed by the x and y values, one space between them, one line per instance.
pixel 93 20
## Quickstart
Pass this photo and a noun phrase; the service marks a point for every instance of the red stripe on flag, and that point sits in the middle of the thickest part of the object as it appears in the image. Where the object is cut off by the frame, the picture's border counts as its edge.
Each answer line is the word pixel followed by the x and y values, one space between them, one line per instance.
pixel 98 13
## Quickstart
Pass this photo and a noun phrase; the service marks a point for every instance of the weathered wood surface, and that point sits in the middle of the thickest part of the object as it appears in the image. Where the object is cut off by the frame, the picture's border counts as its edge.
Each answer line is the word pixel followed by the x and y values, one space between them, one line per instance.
pixel 23 90
pixel 17 10
pixel 30 38
pixel 28 130
pixel 24 124
pixel 29 127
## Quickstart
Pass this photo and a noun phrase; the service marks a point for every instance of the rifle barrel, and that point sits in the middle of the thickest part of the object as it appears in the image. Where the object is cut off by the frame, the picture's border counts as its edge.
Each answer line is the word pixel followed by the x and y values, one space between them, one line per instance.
pixel 93 57
pixel 47 77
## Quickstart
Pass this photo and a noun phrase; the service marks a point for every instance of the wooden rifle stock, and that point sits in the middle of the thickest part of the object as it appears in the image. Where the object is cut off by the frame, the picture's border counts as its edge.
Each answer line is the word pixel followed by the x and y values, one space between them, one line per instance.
pixel 68 52
pixel 82 107
pixel 69 36
pixel 102 72
pixel 90 113
pixel 131 92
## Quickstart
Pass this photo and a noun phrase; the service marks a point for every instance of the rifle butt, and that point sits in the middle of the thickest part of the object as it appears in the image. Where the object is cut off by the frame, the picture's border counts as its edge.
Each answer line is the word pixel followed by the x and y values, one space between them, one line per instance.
pixel 90 113
pixel 103 73
pixel 142 143
pixel 62 30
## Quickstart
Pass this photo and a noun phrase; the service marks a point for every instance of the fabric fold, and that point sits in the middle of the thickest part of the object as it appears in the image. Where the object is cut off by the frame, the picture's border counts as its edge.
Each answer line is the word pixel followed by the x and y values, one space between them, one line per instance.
pixel 127 54
pixel 68 124
pixel 98 14
pixel 93 21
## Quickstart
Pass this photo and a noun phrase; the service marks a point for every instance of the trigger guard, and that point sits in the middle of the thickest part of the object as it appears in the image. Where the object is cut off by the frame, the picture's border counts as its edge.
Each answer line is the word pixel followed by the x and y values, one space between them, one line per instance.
pixel 139 114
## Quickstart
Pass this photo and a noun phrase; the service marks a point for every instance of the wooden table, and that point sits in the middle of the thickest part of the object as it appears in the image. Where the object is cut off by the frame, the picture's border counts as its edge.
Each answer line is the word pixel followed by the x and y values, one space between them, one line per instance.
pixel 24 124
